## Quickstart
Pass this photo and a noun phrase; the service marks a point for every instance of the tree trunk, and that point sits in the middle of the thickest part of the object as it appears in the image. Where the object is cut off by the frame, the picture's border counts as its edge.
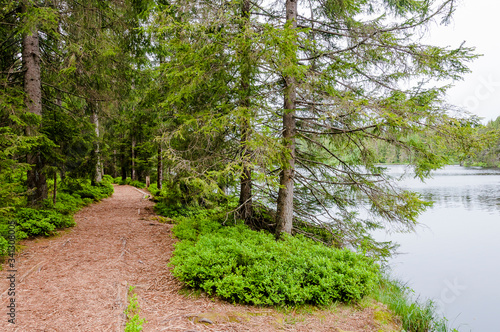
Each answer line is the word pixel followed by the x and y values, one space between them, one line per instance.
pixel 36 181
pixel 284 213
pixel 133 176
pixel 98 167
pixel 123 160
pixel 54 195
pixel 115 165
pixel 246 208
pixel 159 180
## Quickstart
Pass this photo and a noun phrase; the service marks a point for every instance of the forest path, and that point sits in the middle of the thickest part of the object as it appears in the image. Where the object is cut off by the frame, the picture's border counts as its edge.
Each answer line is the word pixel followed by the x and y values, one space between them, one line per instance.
pixel 79 281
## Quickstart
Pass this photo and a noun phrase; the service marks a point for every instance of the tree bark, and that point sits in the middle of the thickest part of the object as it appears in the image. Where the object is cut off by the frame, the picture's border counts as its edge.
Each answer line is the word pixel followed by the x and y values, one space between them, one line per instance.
pixel 54 195
pixel 98 165
pixel 124 168
pixel 36 181
pixel 284 213
pixel 246 207
pixel 159 180
pixel 115 164
pixel 133 176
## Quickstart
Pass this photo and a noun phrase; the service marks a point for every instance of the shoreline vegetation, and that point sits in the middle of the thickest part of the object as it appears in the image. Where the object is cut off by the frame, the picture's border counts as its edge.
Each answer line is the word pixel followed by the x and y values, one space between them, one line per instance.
pixel 225 258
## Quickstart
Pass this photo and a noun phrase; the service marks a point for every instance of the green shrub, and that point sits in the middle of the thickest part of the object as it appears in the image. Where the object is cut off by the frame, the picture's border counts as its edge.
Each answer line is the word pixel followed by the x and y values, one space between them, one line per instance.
pixel 84 189
pixel 32 222
pixel 105 188
pixel 138 184
pixel 108 178
pixel 189 228
pixel 123 182
pixel 153 189
pixel 4 246
pixel 88 201
pixel 246 266
pixel 117 180
pixel 65 203
pixel 73 195
pixel 177 210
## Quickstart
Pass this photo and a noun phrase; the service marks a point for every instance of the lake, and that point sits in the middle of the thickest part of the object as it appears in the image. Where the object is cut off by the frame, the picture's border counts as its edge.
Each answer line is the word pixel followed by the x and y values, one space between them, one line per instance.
pixel 454 256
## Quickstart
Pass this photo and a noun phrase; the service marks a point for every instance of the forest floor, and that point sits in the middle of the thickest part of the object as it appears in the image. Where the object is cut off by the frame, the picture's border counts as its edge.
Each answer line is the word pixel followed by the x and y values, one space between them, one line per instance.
pixel 78 281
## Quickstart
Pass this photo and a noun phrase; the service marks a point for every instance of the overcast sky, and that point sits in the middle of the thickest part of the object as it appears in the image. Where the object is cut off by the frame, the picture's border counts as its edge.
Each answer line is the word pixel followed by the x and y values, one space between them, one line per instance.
pixel 477 22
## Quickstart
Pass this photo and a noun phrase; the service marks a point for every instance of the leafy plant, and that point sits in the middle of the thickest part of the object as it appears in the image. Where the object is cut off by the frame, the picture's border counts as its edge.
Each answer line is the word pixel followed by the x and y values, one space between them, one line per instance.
pixel 84 189
pixel 4 246
pixel 246 266
pixel 108 178
pixel 138 184
pixel 32 222
pixel 415 316
pixel 134 322
pixel 123 182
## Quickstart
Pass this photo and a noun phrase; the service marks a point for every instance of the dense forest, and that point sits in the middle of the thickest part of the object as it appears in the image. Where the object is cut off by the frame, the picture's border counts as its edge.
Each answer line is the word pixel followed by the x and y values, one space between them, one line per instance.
pixel 281 112
pixel 286 107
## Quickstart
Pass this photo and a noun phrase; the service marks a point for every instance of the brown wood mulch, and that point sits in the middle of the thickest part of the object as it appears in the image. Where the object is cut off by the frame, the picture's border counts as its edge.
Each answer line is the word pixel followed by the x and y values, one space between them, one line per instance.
pixel 78 281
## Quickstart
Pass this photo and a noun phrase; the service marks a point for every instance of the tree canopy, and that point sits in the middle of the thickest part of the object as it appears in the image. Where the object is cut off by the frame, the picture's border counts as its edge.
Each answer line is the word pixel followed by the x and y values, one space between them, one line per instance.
pixel 283 109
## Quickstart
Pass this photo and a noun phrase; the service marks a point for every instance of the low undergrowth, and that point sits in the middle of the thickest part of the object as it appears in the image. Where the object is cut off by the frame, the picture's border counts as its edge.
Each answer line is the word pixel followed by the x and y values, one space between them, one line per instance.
pixel 246 266
pixel 222 257
pixel 128 181
pixel 134 321
pixel 415 316
pixel 48 217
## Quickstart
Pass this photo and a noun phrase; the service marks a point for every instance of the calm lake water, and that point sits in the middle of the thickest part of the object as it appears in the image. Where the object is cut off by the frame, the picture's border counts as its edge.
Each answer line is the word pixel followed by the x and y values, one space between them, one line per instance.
pixel 454 257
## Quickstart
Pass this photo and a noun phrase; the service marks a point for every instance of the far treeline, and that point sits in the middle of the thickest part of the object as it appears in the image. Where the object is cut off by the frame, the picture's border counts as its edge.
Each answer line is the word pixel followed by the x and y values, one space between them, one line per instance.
pixel 284 108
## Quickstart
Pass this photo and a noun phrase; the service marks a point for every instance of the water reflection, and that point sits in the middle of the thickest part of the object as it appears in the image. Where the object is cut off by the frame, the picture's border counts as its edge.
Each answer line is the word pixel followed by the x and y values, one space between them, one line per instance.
pixel 453 258
pixel 455 186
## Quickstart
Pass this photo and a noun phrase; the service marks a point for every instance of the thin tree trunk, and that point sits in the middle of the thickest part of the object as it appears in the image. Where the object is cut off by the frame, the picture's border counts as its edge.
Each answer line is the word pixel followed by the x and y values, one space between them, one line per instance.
pixel 115 166
pixel 246 208
pixel 36 181
pixel 159 180
pixel 123 162
pixel 284 213
pixel 98 167
pixel 133 159
pixel 54 196
pixel 124 168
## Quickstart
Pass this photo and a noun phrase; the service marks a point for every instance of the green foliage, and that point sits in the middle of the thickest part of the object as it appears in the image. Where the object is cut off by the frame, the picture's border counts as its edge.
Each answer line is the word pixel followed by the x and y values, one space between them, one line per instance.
pixel 134 322
pixel 414 315
pixel 153 189
pixel 124 182
pixel 190 227
pixel 486 145
pixel 32 222
pixel 4 246
pixel 108 178
pixel 138 184
pixel 48 218
pixel 247 266
pixel 66 203
pixel 84 189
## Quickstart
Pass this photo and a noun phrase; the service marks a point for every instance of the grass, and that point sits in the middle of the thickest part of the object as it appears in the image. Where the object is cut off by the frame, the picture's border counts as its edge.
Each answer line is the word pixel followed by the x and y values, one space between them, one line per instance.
pixel 414 315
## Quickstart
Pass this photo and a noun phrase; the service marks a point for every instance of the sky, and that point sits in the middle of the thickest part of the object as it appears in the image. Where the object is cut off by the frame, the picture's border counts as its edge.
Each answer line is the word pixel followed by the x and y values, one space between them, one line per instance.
pixel 477 23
